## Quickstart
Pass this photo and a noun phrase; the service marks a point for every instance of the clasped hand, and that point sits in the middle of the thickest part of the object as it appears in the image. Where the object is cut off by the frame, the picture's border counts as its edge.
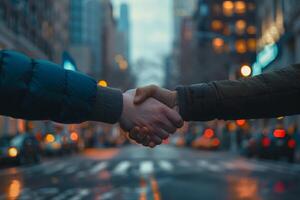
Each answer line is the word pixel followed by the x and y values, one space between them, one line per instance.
pixel 150 115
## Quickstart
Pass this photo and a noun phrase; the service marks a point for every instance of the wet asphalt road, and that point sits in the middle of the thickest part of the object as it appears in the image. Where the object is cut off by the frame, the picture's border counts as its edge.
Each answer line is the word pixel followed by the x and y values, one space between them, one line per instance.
pixel 165 173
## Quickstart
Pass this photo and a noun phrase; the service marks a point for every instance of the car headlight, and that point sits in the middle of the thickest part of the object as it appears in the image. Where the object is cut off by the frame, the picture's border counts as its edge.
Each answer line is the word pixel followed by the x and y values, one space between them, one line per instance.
pixel 12 152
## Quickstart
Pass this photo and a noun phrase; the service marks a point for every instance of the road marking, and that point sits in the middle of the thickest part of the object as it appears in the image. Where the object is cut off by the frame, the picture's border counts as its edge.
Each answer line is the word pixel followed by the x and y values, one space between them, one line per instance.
pixel 146 167
pixel 143 189
pixel 209 166
pixel 155 189
pixel 121 168
pixel 55 168
pixel 98 167
pixel 71 170
pixel 165 165
pixel 81 194
pixel 184 163
pixel 64 194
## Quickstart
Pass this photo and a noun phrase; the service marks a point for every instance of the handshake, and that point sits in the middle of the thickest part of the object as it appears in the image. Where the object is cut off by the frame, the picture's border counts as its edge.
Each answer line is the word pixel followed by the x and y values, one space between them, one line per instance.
pixel 150 114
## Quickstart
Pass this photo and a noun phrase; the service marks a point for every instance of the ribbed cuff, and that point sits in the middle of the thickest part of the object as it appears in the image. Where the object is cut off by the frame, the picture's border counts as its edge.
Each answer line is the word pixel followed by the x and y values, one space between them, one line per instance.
pixel 108 105
pixel 182 101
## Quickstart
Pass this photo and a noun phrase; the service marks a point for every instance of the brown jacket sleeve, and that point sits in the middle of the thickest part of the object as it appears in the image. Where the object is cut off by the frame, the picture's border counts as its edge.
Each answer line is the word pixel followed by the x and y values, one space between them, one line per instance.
pixel 268 95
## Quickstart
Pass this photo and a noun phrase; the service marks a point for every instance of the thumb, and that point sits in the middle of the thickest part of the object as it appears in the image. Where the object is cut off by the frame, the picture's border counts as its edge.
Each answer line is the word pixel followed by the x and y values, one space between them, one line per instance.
pixel 143 93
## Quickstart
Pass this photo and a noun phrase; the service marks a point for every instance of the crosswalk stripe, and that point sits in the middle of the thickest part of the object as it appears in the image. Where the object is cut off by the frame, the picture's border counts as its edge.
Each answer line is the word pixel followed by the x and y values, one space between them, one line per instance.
pixel 121 168
pixel 56 168
pixel 146 167
pixel 209 166
pixel 98 167
pixel 184 163
pixel 81 194
pixel 70 170
pixel 165 165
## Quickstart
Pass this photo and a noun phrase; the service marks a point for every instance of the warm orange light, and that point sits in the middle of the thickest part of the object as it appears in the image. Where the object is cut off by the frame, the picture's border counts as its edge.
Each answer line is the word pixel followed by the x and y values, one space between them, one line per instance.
pixel 218 44
pixel 216 25
pixel 241 46
pixel 102 83
pixel 279 133
pixel 246 70
pixel 123 65
pixel 50 138
pixel 14 189
pixel 228 8
pixel 208 133
pixel 12 152
pixel 74 136
pixel 240 7
pixel 241 122
pixel 215 142
pixel 240 26
pixel 251 30
pixel 251 43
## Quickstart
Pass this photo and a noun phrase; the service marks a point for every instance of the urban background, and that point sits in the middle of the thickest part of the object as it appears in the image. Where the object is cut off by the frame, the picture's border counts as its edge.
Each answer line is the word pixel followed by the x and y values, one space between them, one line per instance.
pixel 210 40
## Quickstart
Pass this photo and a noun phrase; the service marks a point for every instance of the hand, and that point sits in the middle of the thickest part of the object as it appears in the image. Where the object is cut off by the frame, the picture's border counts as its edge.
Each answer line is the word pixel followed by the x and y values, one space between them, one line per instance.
pixel 155 118
pixel 165 96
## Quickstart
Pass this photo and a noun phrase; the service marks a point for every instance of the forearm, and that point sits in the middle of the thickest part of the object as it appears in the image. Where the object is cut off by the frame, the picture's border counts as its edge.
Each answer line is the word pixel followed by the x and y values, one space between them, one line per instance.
pixel 268 95
pixel 40 90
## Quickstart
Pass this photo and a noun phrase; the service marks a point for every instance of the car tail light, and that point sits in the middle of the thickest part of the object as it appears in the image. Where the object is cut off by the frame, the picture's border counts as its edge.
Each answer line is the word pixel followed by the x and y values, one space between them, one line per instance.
pixel 279 133
pixel 292 143
pixel 266 142
pixel 74 136
pixel 215 142
pixel 240 122
pixel 208 133
pixel 49 138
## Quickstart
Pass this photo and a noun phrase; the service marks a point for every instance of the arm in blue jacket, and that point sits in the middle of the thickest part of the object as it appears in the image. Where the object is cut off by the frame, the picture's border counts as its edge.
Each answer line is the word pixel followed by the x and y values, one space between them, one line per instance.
pixel 41 90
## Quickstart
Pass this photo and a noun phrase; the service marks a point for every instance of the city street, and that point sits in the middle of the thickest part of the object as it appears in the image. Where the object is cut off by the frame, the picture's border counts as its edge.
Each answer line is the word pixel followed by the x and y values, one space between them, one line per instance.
pixel 166 172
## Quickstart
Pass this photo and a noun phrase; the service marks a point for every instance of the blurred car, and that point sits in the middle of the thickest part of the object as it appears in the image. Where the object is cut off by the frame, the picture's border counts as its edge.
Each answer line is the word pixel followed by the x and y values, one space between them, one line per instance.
pixel 207 140
pixel 75 141
pixel 21 149
pixel 53 144
pixel 273 145
pixel 63 143
pixel 177 140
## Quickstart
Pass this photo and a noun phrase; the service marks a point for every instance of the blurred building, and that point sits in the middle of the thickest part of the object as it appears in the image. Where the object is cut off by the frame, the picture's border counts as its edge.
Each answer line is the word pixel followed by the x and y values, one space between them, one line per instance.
pixel 33 27
pixel 37 28
pixel 217 40
pixel 278 44
pixel 123 31
pixel 181 11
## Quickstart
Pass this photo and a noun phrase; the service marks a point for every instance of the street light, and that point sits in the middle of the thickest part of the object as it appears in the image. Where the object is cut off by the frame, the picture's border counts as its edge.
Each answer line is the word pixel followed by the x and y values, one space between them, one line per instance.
pixel 102 83
pixel 246 70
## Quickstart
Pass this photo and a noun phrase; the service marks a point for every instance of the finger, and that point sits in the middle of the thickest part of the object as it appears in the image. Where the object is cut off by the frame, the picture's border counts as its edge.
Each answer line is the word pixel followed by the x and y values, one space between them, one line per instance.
pixel 162 134
pixel 166 125
pixel 152 144
pixel 146 141
pixel 134 132
pixel 157 140
pixel 174 117
pixel 142 94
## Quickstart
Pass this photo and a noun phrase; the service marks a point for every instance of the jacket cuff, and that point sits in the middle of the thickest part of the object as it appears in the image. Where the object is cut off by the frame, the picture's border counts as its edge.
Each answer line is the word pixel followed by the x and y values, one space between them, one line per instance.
pixel 197 102
pixel 182 96
pixel 108 105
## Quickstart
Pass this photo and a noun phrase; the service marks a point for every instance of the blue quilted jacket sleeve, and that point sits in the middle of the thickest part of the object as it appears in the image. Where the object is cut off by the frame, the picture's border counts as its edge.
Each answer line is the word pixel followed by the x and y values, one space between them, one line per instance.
pixel 40 90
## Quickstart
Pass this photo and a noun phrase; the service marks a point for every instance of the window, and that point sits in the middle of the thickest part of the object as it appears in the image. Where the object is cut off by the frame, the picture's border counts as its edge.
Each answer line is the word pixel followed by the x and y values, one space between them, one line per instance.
pixel 241 46
pixel 228 7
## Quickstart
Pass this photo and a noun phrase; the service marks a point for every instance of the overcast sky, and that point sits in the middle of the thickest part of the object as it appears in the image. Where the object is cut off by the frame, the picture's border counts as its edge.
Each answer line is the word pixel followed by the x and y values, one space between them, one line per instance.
pixel 151 27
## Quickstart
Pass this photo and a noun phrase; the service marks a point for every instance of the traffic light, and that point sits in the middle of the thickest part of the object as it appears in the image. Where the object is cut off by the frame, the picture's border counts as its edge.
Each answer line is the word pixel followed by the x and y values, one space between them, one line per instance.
pixel 246 71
